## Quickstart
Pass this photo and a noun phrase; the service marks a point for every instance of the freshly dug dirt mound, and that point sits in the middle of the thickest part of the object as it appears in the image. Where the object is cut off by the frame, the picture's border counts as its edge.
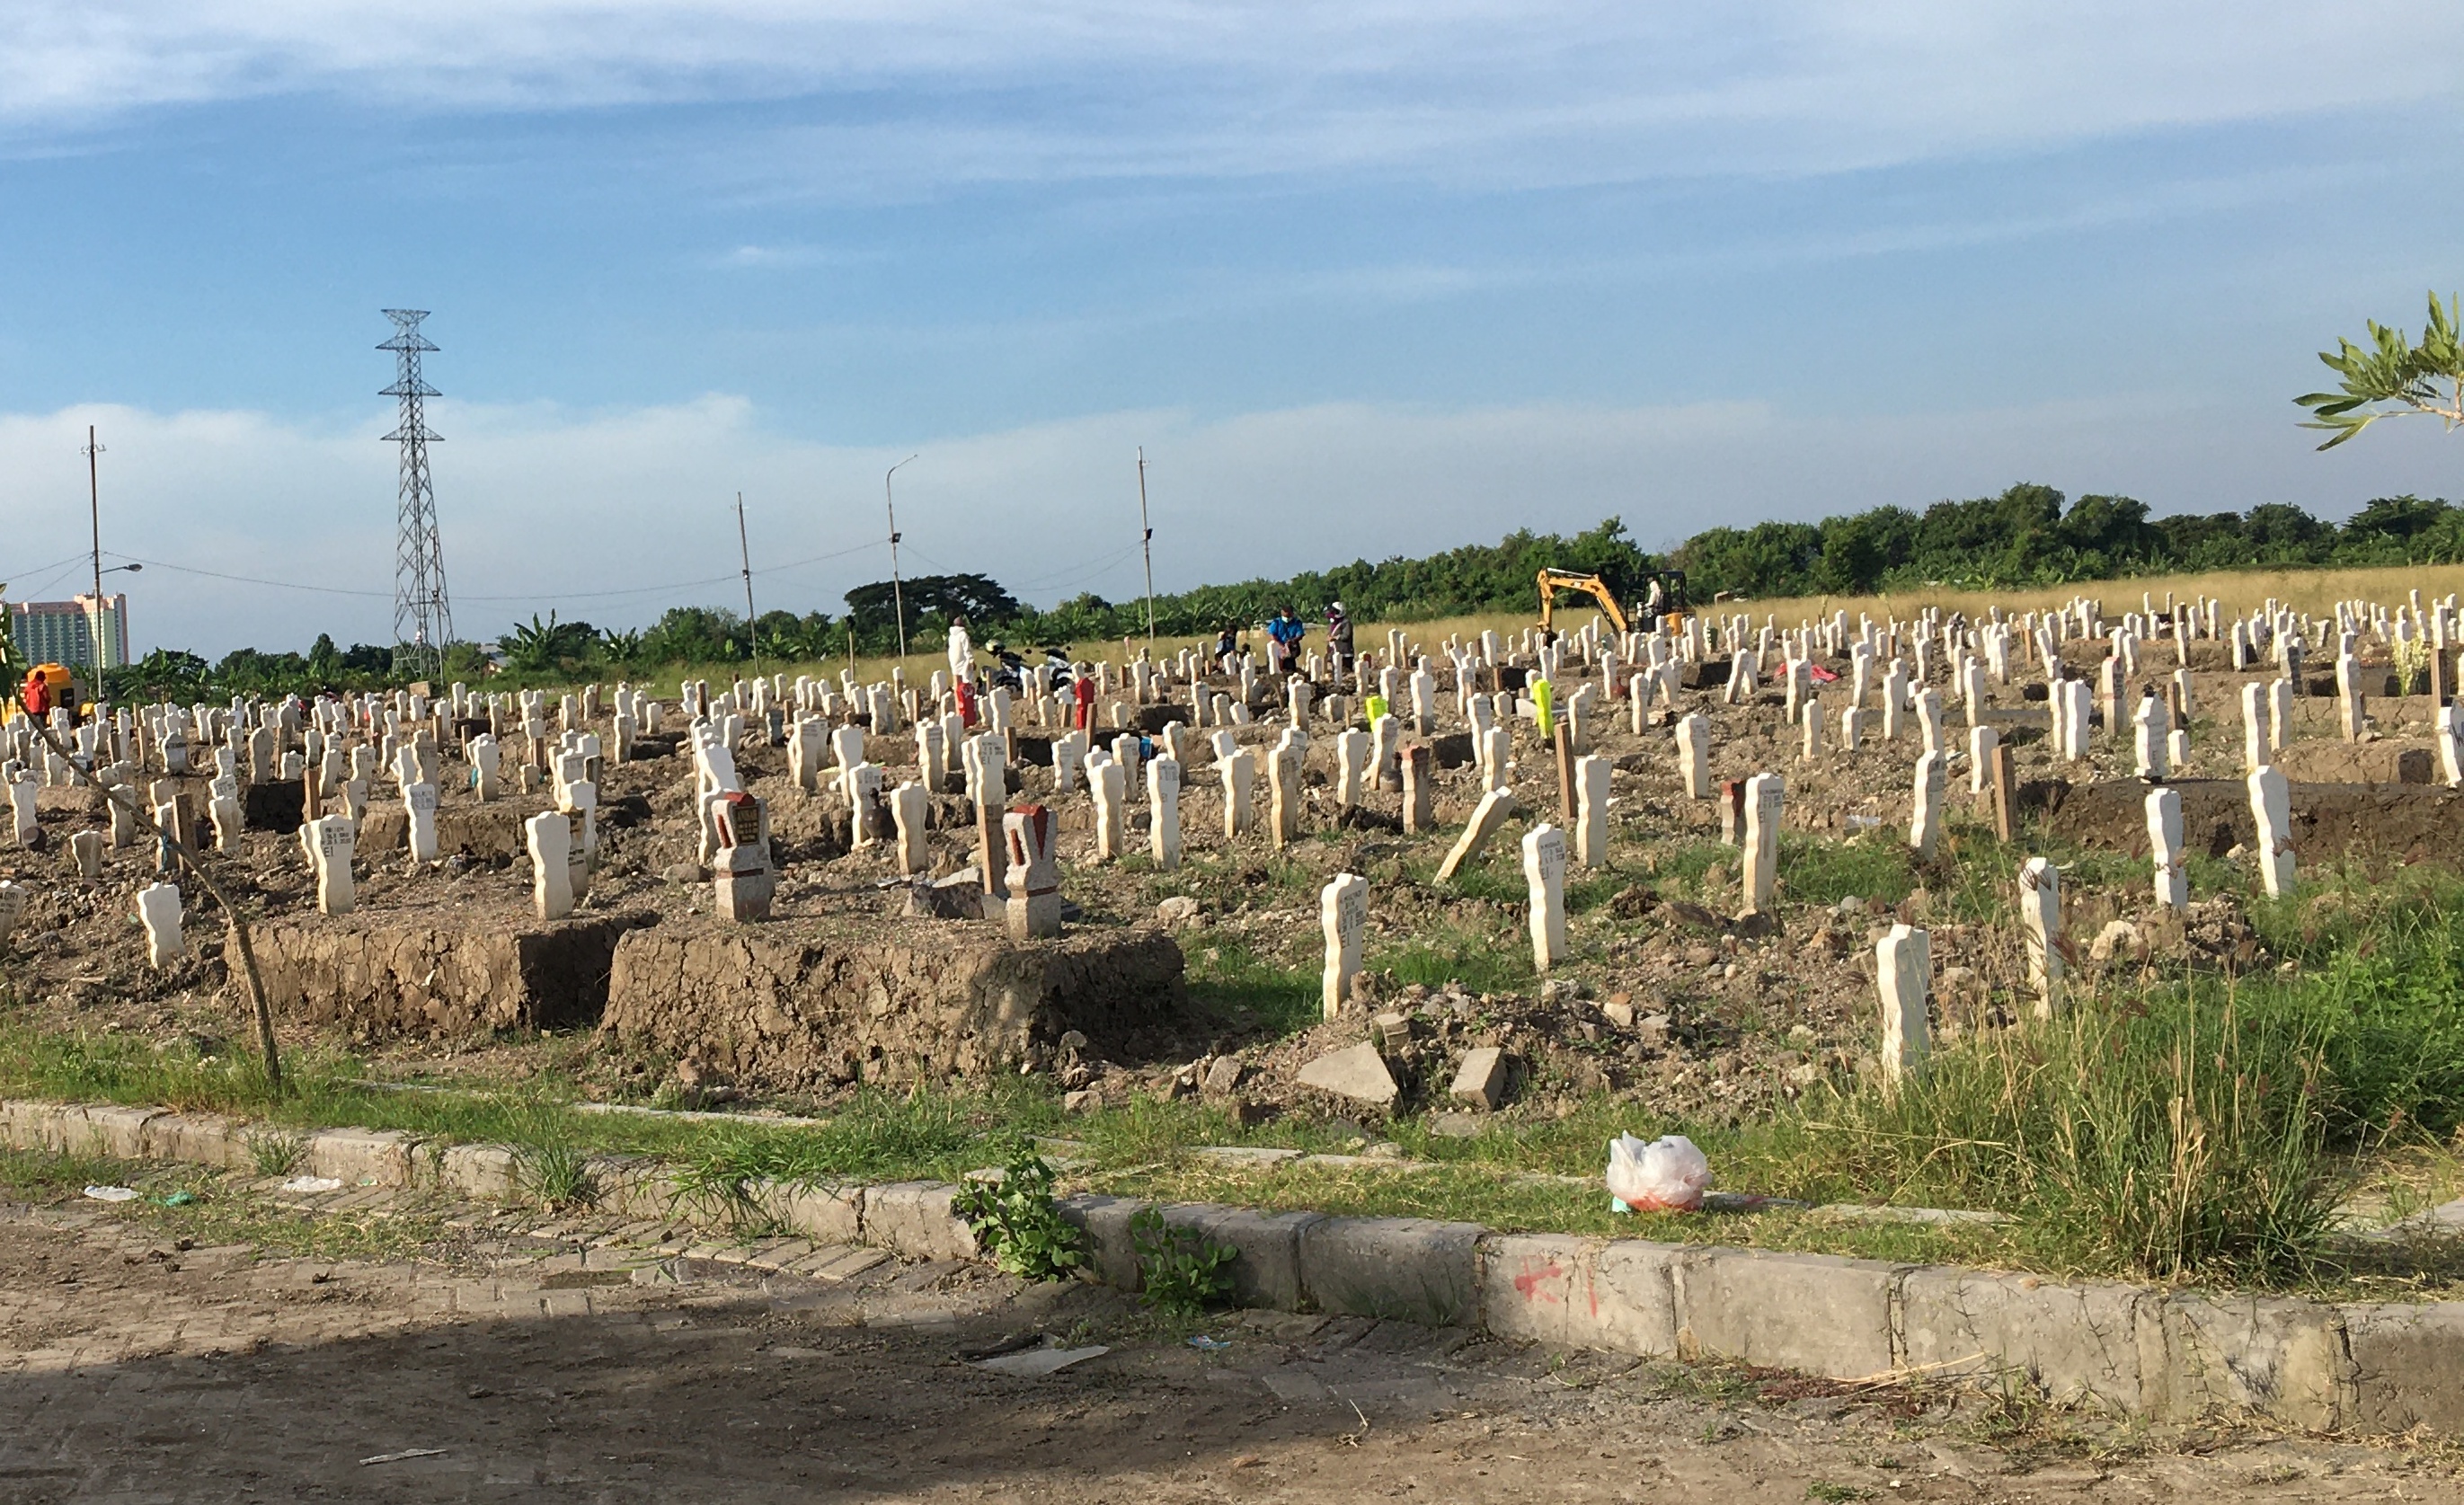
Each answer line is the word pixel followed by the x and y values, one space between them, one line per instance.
pixel 489 831
pixel 384 975
pixel 2411 761
pixel 2394 823
pixel 801 1003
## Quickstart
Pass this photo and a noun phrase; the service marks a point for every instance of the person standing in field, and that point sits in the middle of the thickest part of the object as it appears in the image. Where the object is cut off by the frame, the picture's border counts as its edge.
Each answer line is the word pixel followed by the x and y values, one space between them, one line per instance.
pixel 1338 641
pixel 962 652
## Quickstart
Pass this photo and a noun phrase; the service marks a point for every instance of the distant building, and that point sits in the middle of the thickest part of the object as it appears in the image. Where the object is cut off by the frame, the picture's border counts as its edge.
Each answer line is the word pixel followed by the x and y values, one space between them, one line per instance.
pixel 64 632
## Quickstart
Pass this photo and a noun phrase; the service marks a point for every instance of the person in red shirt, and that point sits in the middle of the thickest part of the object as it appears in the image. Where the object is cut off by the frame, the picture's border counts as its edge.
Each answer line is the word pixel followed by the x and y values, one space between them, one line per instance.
pixel 38 697
pixel 1082 696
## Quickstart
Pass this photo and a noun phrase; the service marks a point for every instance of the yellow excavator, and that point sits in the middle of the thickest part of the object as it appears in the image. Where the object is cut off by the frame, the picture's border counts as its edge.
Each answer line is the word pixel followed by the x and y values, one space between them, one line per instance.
pixel 1665 601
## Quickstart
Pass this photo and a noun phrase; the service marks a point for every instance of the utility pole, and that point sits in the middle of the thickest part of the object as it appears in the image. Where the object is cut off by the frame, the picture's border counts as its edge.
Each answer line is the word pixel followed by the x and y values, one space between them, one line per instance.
pixel 744 552
pixel 1146 541
pixel 897 591
pixel 94 500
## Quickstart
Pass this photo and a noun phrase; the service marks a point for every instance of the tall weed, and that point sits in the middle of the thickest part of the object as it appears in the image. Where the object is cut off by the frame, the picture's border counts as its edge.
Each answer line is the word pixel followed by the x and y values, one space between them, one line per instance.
pixel 2169 1139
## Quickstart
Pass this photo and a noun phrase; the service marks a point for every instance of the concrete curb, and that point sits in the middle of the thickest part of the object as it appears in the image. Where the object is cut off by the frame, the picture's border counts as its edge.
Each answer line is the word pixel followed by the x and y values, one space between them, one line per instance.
pixel 2136 1351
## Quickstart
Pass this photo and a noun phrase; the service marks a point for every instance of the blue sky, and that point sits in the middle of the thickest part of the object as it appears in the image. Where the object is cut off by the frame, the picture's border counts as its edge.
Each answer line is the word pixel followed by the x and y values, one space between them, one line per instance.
pixel 1364 280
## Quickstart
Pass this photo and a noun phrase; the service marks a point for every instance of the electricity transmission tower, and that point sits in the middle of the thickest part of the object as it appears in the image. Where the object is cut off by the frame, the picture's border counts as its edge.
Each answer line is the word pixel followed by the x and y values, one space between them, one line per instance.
pixel 423 622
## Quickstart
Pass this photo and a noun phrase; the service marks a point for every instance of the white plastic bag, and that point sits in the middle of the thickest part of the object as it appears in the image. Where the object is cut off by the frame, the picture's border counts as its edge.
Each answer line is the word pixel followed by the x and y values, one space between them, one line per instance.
pixel 1667 1175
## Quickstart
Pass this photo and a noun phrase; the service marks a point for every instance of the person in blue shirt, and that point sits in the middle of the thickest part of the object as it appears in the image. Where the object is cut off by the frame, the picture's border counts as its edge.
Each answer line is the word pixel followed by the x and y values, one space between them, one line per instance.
pixel 1284 632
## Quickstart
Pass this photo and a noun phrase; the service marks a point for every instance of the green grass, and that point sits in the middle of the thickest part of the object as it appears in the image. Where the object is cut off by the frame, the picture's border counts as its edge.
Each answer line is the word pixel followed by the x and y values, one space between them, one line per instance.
pixel 1478 1194
pixel 322 1088
pixel 1460 954
pixel 1231 982
pixel 1877 867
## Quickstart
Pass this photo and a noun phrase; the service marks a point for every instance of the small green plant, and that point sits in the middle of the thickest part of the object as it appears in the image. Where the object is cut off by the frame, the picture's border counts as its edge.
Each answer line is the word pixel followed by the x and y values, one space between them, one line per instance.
pixel 1831 1493
pixel 560 1177
pixel 1181 1271
pixel 275 1153
pixel 1015 1221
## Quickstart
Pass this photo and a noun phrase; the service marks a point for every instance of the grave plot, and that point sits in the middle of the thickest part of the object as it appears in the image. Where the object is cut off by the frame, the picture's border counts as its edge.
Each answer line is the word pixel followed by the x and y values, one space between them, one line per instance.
pixel 383 975
pixel 807 1004
pixel 2382 825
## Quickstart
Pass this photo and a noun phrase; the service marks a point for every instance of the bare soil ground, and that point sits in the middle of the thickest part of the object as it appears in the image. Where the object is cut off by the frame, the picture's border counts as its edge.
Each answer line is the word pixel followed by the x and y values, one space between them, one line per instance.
pixel 1669 1000
pixel 134 1370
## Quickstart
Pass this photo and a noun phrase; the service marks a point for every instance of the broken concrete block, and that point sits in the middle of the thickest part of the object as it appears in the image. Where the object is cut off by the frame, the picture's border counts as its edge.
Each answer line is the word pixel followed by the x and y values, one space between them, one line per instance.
pixel 1483 1079
pixel 961 896
pixel 1359 1074
pixel 1223 1077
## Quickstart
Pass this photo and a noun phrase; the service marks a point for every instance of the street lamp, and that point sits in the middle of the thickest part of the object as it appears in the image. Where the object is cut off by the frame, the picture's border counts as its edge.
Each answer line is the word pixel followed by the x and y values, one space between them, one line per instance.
pixel 898 592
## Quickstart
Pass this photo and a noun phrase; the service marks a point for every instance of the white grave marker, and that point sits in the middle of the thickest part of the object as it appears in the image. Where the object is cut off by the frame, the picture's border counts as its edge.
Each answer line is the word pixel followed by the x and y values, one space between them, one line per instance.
pixel 2040 916
pixel 1109 782
pixel 1343 914
pixel 549 835
pixel 2271 808
pixel 911 811
pixel 158 910
pixel 1925 817
pixel 1903 968
pixel 1694 755
pixel 1544 870
pixel 1240 772
pixel 1163 811
pixel 420 801
pixel 1592 811
pixel 332 840
pixel 1764 794
pixel 2165 847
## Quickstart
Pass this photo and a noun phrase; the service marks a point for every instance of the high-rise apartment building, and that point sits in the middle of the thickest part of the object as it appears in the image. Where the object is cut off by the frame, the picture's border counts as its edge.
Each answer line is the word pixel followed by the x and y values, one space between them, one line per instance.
pixel 65 632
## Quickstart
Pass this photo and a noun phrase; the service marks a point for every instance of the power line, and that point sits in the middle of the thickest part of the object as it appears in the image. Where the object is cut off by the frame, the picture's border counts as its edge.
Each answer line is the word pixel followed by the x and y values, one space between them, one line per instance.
pixel 40 567
pixel 539 597
pixel 1075 575
pixel 48 581
pixel 251 580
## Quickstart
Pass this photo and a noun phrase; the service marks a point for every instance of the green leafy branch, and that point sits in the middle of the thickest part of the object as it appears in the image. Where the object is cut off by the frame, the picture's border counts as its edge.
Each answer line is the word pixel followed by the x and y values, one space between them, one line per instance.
pixel 2392 377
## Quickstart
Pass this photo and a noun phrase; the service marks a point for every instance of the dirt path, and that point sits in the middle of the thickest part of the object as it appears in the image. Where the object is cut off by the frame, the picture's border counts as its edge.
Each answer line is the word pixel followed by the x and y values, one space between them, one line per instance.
pixel 132 1371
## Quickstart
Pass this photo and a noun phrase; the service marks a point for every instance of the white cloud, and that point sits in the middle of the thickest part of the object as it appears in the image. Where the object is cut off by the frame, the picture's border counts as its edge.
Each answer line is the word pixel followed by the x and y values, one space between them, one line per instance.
pixel 934 92
pixel 783 257
pixel 543 506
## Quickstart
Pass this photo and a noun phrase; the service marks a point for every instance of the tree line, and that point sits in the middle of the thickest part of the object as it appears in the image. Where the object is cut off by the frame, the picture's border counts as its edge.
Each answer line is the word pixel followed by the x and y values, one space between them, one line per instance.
pixel 2028 535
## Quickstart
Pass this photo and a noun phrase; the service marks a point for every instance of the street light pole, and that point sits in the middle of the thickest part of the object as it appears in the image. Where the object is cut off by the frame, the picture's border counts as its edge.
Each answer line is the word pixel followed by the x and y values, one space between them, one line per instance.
pixel 744 552
pixel 897 591
pixel 1146 541
pixel 94 501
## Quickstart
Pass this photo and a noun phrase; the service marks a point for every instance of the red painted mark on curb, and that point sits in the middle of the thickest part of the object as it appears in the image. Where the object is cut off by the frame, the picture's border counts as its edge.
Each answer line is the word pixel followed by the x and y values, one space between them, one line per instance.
pixel 1529 1282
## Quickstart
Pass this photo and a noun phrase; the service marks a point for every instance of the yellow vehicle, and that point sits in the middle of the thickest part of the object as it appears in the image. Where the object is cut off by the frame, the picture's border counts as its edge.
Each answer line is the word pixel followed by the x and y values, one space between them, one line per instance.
pixel 1666 603
pixel 1551 582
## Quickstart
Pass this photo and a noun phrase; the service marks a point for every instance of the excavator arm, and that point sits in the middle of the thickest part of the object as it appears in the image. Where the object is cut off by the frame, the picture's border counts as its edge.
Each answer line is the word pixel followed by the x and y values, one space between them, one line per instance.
pixel 1551 582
